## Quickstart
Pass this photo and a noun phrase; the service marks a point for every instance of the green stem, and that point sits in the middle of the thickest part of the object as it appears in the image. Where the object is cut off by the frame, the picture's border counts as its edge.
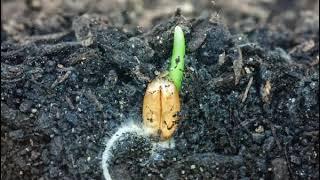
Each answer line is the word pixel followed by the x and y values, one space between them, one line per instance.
pixel 177 60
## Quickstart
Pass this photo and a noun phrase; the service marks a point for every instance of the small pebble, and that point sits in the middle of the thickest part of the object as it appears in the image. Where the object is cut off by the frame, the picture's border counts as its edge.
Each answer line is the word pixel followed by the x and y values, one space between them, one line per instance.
pixel 259 129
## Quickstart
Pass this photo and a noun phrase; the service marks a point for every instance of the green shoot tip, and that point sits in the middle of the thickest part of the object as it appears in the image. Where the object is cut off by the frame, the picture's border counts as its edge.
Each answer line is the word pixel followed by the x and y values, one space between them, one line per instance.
pixel 176 69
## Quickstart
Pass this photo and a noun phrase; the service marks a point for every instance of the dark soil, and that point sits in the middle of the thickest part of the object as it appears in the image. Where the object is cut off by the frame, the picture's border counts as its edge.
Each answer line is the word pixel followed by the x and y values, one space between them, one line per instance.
pixel 73 72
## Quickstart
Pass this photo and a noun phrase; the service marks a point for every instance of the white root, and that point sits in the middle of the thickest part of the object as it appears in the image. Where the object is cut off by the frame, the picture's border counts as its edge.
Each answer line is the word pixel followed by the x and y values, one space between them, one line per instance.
pixel 129 128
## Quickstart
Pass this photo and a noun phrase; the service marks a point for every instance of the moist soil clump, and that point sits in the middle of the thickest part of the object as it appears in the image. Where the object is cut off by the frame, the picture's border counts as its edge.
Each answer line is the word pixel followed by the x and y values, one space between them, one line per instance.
pixel 250 96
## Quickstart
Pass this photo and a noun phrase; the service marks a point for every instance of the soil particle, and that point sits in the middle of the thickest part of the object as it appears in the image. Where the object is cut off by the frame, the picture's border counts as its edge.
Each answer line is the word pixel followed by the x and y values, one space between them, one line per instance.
pixel 280 169
pixel 218 39
pixel 56 146
pixel 17 134
pixel 25 106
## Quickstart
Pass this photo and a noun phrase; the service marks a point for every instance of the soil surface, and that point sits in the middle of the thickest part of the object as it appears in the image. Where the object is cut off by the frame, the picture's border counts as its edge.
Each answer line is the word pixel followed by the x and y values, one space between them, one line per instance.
pixel 73 72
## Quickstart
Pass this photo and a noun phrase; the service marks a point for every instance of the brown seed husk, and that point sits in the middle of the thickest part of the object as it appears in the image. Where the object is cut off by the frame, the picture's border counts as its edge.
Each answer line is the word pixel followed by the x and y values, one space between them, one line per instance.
pixel 161 106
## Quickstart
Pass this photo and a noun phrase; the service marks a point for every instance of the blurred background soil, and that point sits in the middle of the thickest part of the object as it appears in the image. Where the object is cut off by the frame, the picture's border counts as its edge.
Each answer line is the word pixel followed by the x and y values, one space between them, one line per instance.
pixel 73 71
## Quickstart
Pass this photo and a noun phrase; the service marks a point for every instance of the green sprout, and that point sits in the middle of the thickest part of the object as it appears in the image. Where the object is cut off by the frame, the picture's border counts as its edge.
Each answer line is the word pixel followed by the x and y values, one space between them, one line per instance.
pixel 177 60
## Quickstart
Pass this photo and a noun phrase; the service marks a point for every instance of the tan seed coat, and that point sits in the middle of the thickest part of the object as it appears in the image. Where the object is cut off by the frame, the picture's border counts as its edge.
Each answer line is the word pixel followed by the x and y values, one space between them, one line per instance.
pixel 161 105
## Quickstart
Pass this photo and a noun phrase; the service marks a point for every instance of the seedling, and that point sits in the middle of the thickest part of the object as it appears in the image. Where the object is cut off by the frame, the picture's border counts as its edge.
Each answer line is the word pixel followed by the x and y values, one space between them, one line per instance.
pixel 161 103
pixel 161 106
